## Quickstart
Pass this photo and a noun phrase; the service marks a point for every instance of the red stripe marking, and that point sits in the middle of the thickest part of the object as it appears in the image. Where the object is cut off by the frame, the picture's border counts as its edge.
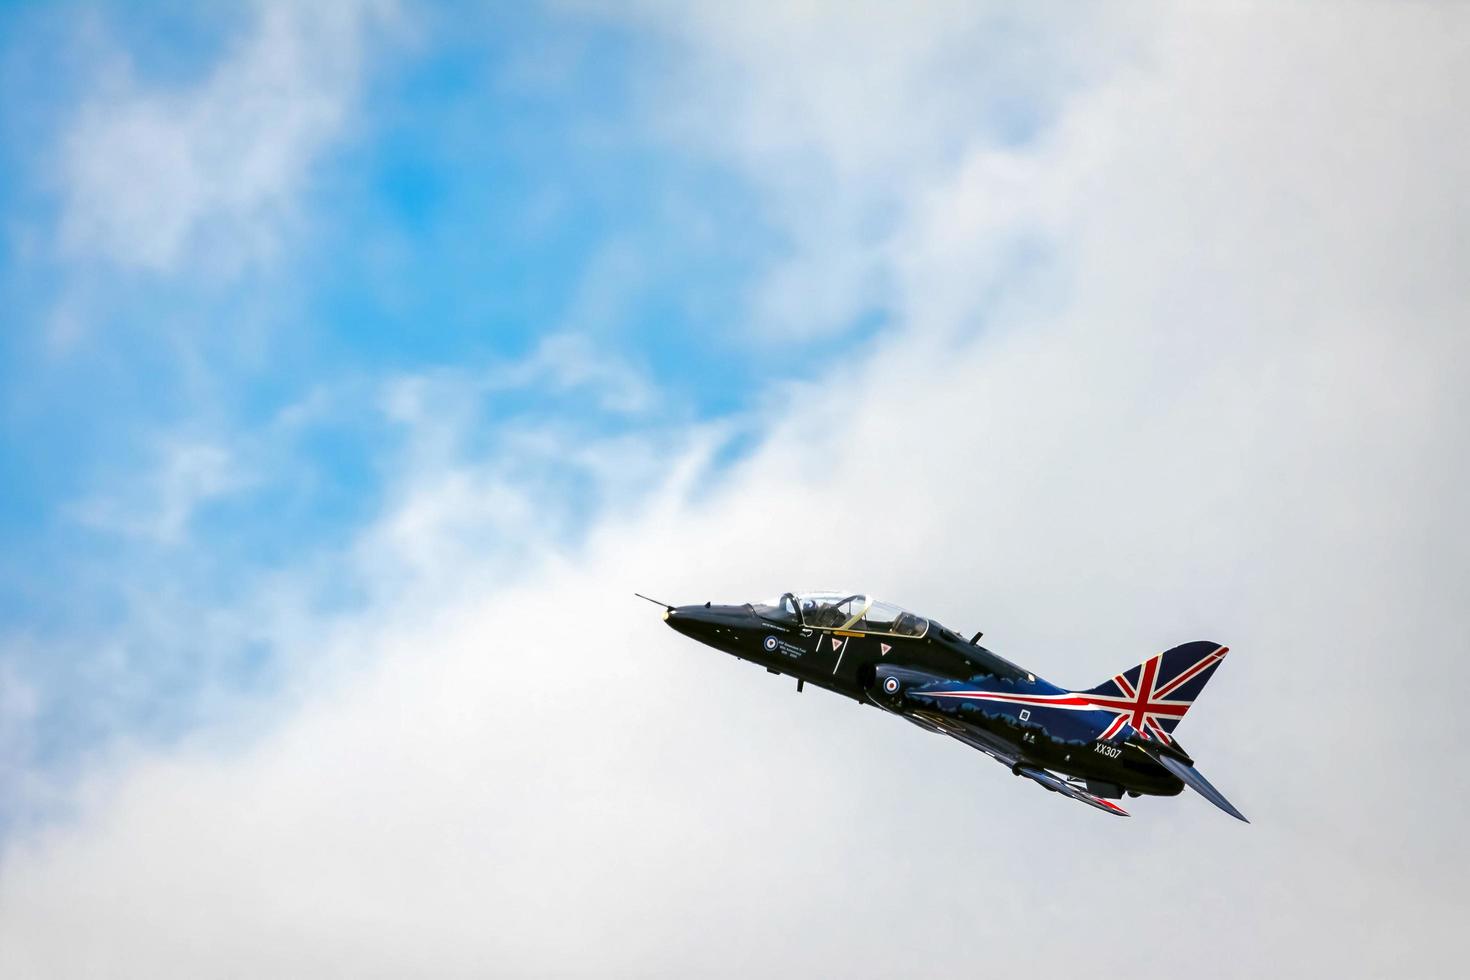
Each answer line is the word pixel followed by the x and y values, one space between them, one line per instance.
pixel 1117 726
pixel 1039 700
pixel 1123 685
pixel 1208 660
pixel 1173 709
pixel 1159 731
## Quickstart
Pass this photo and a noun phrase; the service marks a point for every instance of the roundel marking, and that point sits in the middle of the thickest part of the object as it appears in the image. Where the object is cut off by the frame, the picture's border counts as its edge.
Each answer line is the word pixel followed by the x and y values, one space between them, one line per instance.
pixel 890 684
pixel 771 643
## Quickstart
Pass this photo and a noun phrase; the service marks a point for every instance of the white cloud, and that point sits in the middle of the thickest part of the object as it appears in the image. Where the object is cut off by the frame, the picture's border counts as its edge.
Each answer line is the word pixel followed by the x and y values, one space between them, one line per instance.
pixel 1229 404
pixel 442 414
pixel 17 715
pixel 453 507
pixel 188 473
pixel 838 110
pixel 564 363
pixel 155 175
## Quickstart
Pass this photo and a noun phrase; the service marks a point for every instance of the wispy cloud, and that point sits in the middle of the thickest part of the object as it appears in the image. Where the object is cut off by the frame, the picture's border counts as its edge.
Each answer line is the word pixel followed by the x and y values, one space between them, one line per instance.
pixel 185 475
pixel 155 176
pixel 426 473
pixel 837 111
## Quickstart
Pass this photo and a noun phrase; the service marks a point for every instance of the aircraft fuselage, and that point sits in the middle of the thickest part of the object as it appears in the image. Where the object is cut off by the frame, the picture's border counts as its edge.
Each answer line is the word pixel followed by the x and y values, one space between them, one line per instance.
pixel 991 705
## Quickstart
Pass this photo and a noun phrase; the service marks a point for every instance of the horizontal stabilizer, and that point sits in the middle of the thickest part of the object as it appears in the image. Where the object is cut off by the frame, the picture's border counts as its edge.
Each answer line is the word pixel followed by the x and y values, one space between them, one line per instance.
pixel 1057 784
pixel 1198 783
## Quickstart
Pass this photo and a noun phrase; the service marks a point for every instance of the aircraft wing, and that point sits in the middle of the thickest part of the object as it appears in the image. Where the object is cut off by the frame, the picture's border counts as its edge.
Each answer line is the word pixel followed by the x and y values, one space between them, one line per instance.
pixel 1057 784
pixel 1002 752
pixel 973 736
pixel 893 680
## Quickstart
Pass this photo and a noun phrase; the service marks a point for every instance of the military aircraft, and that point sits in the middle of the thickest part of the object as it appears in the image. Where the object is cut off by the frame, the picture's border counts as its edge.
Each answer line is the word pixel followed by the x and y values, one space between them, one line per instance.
pixel 1093 745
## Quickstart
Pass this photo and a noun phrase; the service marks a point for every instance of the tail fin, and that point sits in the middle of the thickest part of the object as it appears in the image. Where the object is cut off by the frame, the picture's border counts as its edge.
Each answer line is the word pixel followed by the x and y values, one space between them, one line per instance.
pixel 1154 696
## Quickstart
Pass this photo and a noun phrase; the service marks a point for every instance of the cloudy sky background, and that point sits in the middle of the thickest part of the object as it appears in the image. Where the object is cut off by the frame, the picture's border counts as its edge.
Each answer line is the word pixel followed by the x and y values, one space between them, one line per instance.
pixel 359 363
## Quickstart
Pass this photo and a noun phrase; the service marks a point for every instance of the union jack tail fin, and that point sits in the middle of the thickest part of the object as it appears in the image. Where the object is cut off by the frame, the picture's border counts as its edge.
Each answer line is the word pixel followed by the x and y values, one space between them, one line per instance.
pixel 1154 696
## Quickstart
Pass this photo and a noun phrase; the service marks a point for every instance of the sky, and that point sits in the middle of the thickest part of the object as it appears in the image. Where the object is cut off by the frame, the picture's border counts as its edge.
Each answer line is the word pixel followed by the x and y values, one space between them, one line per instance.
pixel 360 360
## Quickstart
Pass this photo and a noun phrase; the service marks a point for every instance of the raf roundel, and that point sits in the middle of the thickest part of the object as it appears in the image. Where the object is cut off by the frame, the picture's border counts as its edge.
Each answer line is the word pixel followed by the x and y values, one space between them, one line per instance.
pixel 891 685
pixel 771 643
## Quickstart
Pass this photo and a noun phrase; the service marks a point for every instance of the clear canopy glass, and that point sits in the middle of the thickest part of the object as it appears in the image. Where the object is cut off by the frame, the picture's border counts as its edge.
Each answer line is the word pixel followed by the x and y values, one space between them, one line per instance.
pixel 845 611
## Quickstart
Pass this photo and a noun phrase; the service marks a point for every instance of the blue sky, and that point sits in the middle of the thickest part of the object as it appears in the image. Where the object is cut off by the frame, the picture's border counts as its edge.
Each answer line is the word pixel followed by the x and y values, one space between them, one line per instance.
pixel 359 360
pixel 498 183
pixel 186 413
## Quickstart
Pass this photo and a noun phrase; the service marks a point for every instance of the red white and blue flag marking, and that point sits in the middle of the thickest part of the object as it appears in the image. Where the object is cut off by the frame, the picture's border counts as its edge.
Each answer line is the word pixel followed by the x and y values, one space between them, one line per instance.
pixel 1152 706
pixel 1149 702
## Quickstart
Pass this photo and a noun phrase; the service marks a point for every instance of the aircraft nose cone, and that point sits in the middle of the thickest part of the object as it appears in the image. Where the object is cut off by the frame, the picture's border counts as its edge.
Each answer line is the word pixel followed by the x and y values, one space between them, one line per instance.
pixel 680 618
pixel 689 620
pixel 709 624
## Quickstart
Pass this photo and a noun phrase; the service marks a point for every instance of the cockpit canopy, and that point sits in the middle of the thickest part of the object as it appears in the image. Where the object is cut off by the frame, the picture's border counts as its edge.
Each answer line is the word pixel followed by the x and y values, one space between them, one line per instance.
pixel 837 610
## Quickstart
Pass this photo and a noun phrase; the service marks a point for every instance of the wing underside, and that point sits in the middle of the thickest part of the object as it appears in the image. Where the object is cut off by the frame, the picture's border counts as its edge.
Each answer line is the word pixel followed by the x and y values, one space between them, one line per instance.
pixel 1004 753
pixel 1057 784
pixel 974 737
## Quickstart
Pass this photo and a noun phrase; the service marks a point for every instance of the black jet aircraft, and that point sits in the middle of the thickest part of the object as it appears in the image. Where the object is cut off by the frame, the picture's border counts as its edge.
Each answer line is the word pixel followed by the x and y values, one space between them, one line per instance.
pixel 1093 745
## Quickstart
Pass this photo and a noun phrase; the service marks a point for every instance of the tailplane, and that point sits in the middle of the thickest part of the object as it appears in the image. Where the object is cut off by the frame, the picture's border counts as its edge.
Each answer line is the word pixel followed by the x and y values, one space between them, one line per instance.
pixel 1154 696
pixel 1192 778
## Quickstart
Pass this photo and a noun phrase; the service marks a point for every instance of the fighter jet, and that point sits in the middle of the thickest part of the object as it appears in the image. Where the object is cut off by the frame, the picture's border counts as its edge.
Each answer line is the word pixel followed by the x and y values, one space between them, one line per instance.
pixel 1094 745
